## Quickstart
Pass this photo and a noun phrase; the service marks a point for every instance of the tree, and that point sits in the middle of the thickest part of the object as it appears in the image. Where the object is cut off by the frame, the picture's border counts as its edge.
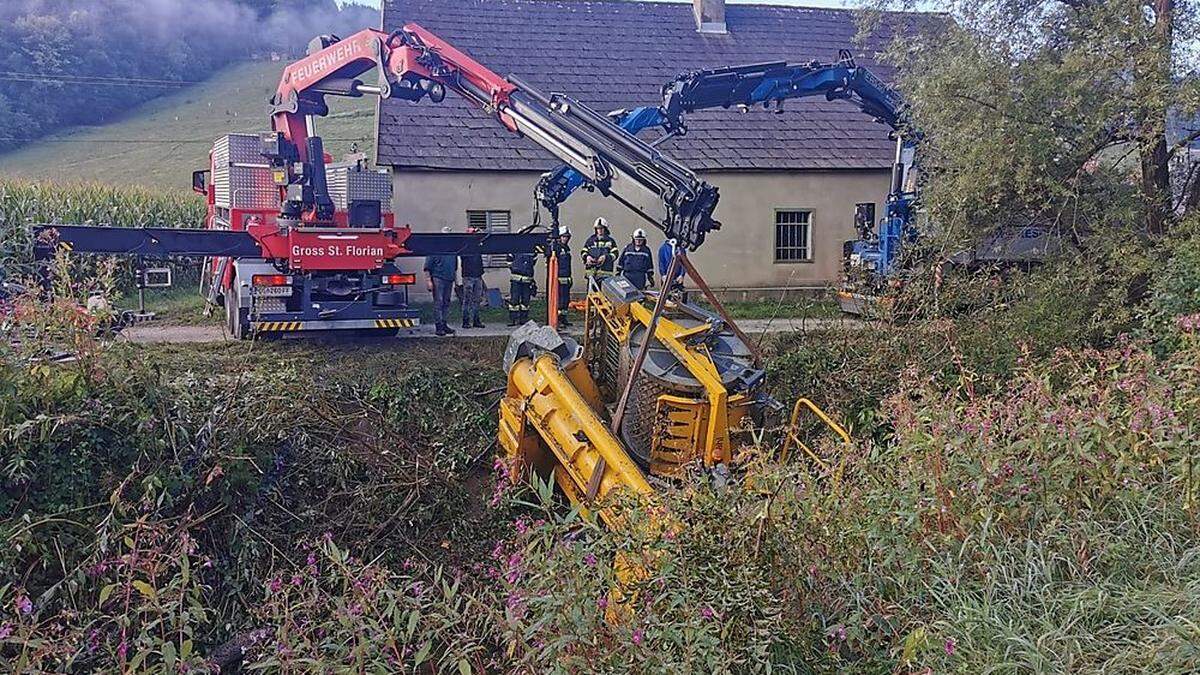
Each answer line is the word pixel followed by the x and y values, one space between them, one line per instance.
pixel 1053 111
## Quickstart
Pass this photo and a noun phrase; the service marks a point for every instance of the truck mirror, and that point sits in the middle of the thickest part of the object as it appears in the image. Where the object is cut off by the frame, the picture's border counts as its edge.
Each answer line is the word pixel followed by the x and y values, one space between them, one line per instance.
pixel 200 182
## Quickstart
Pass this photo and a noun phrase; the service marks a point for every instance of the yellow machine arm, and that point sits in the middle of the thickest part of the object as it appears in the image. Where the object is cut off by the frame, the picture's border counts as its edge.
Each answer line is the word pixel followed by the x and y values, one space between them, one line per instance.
pixel 550 421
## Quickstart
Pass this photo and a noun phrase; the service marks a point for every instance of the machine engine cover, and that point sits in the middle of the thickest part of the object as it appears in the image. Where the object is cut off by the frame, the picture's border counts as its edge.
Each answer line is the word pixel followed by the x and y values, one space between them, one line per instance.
pixel 531 339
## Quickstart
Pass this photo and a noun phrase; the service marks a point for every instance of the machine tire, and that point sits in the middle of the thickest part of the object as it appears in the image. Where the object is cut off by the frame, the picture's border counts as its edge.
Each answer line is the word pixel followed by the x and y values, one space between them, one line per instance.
pixel 238 328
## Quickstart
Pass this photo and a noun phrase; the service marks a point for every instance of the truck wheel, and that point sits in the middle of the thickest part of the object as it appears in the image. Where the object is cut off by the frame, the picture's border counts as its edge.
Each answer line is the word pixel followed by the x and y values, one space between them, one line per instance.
pixel 238 329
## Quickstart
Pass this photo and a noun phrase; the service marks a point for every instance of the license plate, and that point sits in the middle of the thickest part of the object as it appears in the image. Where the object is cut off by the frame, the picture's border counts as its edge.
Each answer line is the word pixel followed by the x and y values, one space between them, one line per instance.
pixel 271 291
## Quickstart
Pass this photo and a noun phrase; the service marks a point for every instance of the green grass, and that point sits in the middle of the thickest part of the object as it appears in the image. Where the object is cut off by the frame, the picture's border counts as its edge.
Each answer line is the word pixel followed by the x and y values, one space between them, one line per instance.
pixel 181 306
pixel 801 307
pixel 174 133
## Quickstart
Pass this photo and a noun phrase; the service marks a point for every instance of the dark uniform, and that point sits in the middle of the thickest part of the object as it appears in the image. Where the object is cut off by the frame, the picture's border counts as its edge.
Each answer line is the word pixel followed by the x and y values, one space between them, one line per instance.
pixel 603 249
pixel 565 281
pixel 472 295
pixel 520 268
pixel 637 265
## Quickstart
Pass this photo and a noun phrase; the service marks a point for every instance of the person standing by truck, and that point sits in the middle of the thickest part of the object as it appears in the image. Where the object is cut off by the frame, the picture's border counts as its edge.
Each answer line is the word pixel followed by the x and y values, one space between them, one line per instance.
pixel 599 253
pixel 637 261
pixel 473 287
pixel 565 280
pixel 441 272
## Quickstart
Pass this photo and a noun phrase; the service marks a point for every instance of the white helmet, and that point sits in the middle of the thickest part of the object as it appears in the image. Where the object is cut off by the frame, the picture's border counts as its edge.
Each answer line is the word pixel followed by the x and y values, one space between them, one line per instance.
pixel 600 222
pixel 564 231
pixel 639 233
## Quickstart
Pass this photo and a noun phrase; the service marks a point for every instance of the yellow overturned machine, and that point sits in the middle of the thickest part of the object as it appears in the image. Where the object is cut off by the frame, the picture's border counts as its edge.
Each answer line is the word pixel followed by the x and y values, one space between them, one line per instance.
pixel 615 413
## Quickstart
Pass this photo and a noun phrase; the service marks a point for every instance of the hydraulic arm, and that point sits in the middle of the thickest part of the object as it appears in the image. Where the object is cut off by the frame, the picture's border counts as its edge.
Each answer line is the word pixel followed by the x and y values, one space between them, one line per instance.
pixel 745 86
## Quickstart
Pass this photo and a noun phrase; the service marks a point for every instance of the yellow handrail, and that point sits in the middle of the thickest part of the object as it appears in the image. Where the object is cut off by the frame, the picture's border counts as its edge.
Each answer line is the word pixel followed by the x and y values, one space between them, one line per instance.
pixel 792 436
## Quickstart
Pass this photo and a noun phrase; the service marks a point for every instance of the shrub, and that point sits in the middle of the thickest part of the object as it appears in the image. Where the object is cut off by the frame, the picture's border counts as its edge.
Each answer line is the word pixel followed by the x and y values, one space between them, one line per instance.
pixel 1174 312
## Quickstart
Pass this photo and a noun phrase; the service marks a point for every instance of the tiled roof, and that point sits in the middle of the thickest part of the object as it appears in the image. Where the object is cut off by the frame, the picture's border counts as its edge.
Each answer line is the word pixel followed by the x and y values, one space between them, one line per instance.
pixel 617 54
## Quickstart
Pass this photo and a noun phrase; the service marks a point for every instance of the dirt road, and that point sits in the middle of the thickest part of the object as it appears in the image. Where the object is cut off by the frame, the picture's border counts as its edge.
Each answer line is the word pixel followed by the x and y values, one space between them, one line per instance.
pixel 157 334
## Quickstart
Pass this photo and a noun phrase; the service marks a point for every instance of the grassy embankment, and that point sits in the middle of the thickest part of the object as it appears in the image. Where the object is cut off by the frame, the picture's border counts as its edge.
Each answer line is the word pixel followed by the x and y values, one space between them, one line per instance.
pixel 1021 494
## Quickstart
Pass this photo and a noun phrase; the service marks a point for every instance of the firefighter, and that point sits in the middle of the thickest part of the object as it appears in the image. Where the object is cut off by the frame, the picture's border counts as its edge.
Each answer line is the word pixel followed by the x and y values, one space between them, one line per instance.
pixel 565 281
pixel 637 261
pixel 522 287
pixel 599 253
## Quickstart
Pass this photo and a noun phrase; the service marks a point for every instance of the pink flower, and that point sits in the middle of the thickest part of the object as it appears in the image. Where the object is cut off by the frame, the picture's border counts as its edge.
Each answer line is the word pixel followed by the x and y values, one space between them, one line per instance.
pixel 707 613
pixel 24 605
pixel 1189 323
pixel 296 580
pixel 589 559
pixel 638 635
pixel 5 630
pixel 602 603
pixel 950 645
pixel 275 584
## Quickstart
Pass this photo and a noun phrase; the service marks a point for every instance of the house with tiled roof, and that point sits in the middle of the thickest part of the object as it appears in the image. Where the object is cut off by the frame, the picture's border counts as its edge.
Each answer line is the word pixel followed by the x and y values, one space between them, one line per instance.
pixel 789 182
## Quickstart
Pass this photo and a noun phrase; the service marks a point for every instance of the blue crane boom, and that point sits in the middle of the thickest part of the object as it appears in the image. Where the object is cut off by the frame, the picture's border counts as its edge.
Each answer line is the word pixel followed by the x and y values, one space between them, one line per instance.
pixel 764 84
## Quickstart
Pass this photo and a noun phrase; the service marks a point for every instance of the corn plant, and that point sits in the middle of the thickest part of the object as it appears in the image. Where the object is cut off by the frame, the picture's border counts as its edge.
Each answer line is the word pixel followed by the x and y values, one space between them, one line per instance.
pixel 24 204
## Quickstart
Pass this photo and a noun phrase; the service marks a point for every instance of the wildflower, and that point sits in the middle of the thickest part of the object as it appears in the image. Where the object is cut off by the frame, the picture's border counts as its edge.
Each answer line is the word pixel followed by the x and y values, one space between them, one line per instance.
pixel 637 636
pixel 602 603
pixel 841 633
pixel 589 559
pixel 122 648
pixel 24 605
pixel 275 584
pixel 707 612
pixel 513 600
pixel 522 525
pixel 1189 323
pixel 296 579
pixel 6 629
pixel 950 645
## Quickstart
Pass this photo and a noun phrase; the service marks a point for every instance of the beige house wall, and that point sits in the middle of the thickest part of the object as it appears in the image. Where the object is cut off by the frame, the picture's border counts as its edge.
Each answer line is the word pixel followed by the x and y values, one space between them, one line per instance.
pixel 740 255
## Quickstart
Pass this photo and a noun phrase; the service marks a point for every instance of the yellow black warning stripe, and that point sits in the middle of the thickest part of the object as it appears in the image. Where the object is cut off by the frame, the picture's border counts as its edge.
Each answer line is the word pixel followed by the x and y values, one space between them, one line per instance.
pixel 278 326
pixel 395 323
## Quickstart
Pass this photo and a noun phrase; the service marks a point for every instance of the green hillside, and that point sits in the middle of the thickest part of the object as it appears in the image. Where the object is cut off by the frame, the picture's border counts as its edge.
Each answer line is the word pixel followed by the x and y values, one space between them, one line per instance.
pixel 161 142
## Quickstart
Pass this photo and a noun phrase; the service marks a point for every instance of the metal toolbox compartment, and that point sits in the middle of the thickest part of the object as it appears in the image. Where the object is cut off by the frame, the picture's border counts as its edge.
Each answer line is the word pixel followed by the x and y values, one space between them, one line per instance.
pixel 348 184
pixel 241 175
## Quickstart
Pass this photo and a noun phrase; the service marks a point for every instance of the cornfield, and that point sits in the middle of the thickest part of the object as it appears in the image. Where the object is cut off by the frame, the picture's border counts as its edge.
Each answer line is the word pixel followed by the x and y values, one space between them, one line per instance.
pixel 23 204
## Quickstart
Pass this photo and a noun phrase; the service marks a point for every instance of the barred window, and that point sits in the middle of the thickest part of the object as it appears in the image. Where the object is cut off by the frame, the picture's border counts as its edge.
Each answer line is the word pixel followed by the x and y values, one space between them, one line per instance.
pixel 491 221
pixel 793 236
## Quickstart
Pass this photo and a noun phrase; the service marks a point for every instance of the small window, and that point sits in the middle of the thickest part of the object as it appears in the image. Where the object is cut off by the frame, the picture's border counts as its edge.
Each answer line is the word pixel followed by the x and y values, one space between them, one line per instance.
pixel 491 222
pixel 793 236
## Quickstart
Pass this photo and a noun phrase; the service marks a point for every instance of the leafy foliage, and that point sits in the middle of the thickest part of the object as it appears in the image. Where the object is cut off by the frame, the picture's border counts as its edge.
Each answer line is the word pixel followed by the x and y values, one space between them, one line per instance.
pixel 1052 113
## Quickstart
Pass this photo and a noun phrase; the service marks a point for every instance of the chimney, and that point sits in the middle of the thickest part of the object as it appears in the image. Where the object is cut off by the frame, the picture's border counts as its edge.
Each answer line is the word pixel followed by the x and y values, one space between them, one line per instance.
pixel 710 16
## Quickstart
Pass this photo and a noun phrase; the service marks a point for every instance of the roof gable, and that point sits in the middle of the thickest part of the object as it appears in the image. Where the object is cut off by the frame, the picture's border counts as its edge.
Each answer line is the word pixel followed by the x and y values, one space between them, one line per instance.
pixel 614 54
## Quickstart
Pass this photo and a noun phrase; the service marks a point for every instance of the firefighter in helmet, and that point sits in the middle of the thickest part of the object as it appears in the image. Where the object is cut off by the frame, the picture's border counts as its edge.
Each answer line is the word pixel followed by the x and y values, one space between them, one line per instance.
pixel 637 261
pixel 565 281
pixel 522 286
pixel 599 252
